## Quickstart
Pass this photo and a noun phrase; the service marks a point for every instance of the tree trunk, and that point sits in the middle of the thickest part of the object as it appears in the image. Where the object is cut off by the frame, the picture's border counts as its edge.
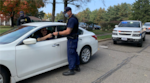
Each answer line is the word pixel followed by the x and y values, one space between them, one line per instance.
pixel 12 20
pixel 53 11
pixel 65 5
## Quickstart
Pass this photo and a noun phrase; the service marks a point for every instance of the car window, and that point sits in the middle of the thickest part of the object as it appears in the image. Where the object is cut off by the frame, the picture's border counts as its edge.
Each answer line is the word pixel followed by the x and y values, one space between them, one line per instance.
pixel 80 32
pixel 50 29
pixel 61 28
pixel 14 34
pixel 129 24
pixel 147 24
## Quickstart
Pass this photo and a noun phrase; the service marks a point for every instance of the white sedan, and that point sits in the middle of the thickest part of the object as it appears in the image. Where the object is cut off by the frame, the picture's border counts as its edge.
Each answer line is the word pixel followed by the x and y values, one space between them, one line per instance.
pixel 21 56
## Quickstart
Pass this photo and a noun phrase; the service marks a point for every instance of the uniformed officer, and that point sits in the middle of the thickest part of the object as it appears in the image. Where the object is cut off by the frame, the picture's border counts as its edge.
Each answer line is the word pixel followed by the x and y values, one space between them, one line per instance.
pixel 72 36
pixel 23 19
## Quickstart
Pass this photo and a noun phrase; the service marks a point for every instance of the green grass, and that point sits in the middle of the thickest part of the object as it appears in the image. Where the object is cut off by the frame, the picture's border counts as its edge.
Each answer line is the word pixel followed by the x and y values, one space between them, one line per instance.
pixel 104 37
pixel 4 29
pixel 99 32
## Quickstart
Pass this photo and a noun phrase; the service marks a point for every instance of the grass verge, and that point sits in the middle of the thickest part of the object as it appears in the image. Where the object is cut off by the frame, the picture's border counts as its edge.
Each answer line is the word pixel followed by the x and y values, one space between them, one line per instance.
pixel 104 37
pixel 99 32
pixel 4 29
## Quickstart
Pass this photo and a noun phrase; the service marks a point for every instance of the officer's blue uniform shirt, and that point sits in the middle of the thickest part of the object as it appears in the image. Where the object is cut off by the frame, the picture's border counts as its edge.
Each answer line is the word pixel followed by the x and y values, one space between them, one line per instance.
pixel 72 23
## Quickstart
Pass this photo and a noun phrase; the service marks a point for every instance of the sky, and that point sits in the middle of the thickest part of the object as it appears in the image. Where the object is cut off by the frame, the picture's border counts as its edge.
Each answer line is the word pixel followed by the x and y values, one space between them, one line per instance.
pixel 93 5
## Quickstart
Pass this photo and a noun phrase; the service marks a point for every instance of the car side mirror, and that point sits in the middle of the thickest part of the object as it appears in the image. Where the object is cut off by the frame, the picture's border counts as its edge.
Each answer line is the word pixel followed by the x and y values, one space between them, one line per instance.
pixel 116 26
pixel 29 41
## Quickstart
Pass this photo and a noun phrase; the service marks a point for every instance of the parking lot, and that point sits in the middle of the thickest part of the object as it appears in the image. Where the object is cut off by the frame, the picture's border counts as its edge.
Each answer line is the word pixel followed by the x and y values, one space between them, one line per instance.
pixel 121 63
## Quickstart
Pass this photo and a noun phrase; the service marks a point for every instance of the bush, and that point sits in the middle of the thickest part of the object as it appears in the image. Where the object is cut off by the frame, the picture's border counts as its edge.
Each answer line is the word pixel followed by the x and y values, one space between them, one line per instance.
pixel 109 26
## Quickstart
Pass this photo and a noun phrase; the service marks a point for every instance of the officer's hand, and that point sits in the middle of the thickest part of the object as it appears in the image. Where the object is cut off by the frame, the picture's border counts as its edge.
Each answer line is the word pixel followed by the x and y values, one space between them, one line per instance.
pixel 55 33
pixel 49 35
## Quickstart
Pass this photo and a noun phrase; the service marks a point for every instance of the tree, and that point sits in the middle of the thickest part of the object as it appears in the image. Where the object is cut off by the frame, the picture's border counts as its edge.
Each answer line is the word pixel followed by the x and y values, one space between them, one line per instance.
pixel 48 16
pixel 12 7
pixel 141 10
pixel 59 16
pixel 76 3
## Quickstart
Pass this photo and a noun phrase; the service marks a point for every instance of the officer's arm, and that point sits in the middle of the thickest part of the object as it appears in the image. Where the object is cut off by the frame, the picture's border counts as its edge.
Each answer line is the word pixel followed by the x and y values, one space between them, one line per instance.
pixel 45 37
pixel 65 32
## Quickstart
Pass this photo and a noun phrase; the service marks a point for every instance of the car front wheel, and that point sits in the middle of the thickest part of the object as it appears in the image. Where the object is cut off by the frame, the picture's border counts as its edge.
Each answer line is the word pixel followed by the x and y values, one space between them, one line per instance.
pixel 115 42
pixel 4 76
pixel 140 44
pixel 85 55
pixel 144 38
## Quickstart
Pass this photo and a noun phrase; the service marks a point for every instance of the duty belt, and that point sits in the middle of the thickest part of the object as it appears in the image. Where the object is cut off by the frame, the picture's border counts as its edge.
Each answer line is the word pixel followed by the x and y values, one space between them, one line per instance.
pixel 72 37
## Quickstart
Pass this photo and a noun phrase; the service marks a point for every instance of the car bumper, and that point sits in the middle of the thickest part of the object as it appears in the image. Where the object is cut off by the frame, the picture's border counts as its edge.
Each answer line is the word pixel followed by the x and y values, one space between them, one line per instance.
pixel 129 40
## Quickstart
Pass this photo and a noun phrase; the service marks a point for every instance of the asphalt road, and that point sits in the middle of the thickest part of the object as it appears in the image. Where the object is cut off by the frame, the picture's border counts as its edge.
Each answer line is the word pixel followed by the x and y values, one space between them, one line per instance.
pixel 121 63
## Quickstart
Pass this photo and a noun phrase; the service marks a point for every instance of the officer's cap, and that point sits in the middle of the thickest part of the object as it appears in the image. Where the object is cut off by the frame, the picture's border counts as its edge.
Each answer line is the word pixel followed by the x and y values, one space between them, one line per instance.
pixel 66 9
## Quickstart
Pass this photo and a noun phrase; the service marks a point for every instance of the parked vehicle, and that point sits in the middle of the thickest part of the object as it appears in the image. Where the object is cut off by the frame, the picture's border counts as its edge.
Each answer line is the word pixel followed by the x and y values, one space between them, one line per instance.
pixel 83 25
pixel 21 56
pixel 147 27
pixel 97 27
pixel 129 31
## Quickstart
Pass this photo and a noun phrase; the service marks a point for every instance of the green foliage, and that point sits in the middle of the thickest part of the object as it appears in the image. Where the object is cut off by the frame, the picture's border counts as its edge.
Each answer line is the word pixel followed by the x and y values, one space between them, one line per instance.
pixel 141 10
pixel 59 16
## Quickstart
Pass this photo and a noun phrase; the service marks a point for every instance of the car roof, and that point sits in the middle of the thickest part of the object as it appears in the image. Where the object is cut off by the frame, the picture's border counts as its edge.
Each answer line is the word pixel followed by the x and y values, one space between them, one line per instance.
pixel 43 23
pixel 132 20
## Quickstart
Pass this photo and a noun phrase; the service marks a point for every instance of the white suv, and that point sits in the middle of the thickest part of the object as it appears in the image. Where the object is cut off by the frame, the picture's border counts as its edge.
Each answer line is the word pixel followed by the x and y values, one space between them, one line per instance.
pixel 129 31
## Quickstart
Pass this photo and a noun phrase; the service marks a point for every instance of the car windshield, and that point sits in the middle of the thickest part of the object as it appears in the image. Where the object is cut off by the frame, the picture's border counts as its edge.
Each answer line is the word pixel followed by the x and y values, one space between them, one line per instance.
pixel 147 24
pixel 14 34
pixel 129 24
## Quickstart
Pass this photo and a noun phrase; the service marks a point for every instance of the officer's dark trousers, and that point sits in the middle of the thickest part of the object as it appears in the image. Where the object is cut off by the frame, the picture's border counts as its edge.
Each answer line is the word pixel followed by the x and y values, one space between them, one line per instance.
pixel 73 57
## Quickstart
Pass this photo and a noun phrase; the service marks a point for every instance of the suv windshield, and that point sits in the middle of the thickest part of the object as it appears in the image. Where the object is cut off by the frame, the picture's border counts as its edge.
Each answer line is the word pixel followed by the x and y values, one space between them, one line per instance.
pixel 14 34
pixel 147 24
pixel 129 24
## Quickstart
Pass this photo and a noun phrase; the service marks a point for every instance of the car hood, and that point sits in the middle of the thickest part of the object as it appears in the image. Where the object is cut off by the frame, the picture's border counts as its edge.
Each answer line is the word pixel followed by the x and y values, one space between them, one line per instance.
pixel 128 29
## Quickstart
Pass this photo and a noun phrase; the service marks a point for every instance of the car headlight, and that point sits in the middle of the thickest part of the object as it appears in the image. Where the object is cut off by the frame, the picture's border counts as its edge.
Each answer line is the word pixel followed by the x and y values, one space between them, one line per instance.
pixel 114 34
pixel 114 31
pixel 136 35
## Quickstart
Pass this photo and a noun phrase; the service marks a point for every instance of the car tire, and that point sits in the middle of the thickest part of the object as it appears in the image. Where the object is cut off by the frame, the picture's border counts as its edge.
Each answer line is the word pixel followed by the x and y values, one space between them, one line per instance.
pixel 144 38
pixel 115 42
pixel 85 55
pixel 140 44
pixel 4 76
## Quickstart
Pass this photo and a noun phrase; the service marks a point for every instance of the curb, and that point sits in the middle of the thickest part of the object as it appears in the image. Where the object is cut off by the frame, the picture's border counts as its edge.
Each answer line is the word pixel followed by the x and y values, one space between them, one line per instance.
pixel 104 39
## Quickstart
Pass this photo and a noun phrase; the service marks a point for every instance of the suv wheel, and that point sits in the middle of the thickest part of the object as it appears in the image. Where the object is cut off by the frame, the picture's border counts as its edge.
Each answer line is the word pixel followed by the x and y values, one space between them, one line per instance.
pixel 144 38
pixel 140 44
pixel 115 42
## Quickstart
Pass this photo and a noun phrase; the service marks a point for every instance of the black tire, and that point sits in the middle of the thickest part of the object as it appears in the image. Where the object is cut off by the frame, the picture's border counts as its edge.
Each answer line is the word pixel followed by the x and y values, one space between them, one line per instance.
pixel 5 75
pixel 144 38
pixel 82 56
pixel 140 44
pixel 115 42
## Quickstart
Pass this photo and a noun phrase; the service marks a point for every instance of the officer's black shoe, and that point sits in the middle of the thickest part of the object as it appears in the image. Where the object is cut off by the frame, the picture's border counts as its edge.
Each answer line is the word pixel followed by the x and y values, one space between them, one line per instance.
pixel 77 68
pixel 70 72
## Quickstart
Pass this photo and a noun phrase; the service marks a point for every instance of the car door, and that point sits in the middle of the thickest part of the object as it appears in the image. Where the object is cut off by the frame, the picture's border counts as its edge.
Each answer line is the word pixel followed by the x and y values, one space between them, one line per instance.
pixel 35 58
pixel 63 44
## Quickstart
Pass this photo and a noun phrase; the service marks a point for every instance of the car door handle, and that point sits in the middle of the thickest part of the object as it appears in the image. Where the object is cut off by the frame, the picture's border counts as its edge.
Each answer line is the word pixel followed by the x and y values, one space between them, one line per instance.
pixel 55 45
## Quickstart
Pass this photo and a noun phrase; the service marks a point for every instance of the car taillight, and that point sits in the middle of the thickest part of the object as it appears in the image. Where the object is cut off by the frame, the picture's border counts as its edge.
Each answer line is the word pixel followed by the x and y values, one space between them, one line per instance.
pixel 94 36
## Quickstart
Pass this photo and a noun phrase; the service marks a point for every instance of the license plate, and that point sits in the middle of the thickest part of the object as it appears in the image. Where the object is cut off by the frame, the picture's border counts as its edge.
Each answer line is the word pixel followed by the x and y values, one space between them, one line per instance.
pixel 125 39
